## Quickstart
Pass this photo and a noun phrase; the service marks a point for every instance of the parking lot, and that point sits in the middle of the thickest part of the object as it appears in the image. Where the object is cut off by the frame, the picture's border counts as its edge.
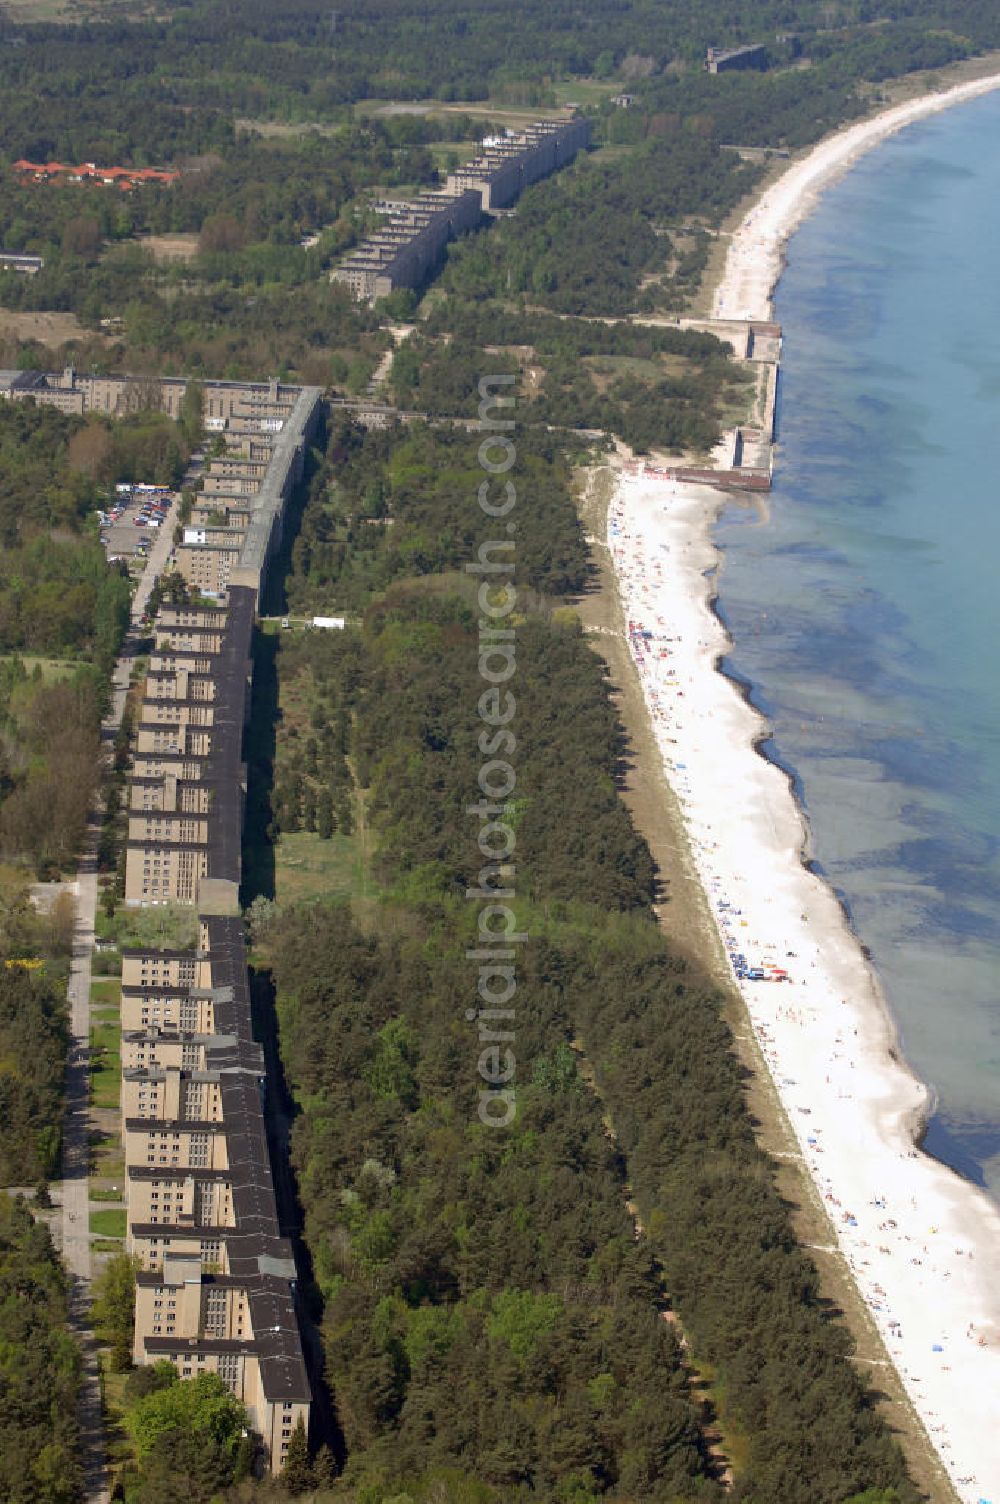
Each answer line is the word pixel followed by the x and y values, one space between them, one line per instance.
pixel 133 522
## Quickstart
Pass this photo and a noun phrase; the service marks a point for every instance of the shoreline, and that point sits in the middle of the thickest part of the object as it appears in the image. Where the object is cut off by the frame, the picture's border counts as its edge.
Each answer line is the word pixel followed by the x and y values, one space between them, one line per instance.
pixel 755 258
pixel 909 1227
pixel 916 1122
pixel 744 688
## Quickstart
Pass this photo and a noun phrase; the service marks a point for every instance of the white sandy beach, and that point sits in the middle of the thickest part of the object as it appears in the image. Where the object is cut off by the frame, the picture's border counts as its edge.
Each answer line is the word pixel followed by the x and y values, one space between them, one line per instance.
pixel 754 259
pixel 923 1244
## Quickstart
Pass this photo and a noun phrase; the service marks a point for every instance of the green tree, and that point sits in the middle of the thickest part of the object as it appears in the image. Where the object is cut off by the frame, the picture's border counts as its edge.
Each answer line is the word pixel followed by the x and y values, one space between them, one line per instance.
pixel 192 413
pixel 113 1308
pixel 297 1473
pixel 82 237
pixel 324 815
pixel 201 1407
pixel 324 1468
pixel 186 1465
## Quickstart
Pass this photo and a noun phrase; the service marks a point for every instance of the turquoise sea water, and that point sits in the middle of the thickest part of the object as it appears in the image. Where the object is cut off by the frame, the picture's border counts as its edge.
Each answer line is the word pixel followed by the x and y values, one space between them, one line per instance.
pixel 866 611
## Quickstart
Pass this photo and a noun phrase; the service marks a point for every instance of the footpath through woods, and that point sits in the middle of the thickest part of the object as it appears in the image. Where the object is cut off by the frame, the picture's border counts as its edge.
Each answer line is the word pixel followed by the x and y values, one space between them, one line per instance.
pixel 74 1192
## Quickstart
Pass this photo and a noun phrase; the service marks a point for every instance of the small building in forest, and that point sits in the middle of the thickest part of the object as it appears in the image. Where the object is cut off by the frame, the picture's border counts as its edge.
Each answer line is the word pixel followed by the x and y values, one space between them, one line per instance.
pixel 731 59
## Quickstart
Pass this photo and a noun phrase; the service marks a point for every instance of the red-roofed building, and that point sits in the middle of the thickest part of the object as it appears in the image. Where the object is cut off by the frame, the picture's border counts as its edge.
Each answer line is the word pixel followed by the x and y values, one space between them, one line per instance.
pixel 89 172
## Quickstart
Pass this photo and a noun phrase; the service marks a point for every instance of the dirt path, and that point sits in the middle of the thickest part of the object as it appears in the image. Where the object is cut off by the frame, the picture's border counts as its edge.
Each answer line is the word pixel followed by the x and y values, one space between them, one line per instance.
pixel 74 1192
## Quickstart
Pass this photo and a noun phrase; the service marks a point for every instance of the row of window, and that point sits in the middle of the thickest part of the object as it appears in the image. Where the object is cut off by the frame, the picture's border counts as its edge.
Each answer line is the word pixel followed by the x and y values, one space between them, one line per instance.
pixel 211 1248
pixel 189 1017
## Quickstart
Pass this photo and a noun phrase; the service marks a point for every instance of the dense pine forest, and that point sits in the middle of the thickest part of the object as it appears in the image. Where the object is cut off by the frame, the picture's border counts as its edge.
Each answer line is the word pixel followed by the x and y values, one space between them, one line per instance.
pixel 493 1326
pixel 317 112
pixel 605 1299
pixel 39 1363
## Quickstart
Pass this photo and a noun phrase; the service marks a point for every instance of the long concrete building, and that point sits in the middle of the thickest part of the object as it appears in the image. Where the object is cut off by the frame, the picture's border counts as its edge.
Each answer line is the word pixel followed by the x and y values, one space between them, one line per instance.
pixel 509 164
pixel 407 250
pixel 216 1289
pixel 227 404
pixel 412 241
pixel 236 523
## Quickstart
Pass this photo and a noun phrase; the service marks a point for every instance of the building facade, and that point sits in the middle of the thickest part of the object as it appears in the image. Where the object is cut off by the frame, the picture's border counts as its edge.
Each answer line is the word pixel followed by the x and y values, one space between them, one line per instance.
pixel 217 1287
pixel 413 239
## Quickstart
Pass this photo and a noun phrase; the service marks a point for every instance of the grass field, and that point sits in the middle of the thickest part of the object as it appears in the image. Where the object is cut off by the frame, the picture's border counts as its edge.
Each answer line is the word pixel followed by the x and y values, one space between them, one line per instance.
pixel 170 927
pixel 107 1158
pixel 106 1245
pixel 106 1064
pixel 444 151
pixel 307 867
pixel 586 90
pixel 108 1224
pixel 515 116
pixel 105 992
pixel 170 248
pixel 14 882
pixel 51 669
pixel 99 1195
pixel 30 12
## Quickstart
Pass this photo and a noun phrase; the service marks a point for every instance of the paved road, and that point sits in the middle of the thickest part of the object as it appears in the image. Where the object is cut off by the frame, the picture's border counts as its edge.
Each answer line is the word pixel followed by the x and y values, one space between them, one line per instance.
pixel 75 1196
pixel 74 1193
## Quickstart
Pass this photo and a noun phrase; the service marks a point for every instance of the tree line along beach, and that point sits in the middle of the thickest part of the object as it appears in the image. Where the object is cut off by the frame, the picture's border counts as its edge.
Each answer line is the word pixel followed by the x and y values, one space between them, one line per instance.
pixel 920 1242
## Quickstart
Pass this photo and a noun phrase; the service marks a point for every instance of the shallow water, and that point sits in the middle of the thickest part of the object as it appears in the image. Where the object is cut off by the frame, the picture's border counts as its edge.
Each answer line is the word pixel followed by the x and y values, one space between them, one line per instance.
pixel 866 610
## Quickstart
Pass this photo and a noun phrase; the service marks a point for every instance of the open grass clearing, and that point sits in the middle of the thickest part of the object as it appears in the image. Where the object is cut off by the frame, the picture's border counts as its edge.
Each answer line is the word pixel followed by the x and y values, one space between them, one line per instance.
pixel 444 152
pixel 51 669
pixel 107 1158
pixel 105 1064
pixel 46 326
pixel 67 12
pixel 245 125
pixel 166 927
pixel 108 1222
pixel 166 249
pixel 570 91
pixel 307 867
pixel 516 116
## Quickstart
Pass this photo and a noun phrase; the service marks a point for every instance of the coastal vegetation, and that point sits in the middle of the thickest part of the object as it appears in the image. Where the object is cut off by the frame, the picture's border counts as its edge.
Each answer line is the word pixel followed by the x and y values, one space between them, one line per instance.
pixel 651 387
pixel 504 1316
pixel 282 153
pixel 490 1309
pixel 390 503
pixel 617 208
